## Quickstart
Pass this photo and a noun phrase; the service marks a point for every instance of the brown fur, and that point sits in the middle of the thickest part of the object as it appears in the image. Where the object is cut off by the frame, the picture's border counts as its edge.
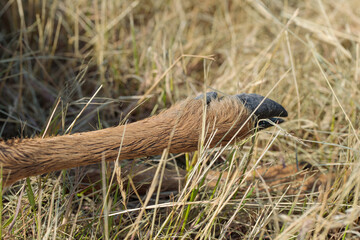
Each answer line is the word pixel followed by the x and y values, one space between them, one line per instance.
pixel 28 157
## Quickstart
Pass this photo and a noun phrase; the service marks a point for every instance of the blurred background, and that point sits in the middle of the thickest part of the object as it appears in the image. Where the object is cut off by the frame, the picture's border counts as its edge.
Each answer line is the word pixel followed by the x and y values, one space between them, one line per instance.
pixel 131 59
pixel 175 49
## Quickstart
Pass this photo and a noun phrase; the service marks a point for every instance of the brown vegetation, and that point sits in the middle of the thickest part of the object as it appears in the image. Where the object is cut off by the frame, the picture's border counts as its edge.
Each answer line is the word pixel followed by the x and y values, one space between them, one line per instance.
pixel 290 179
pixel 305 54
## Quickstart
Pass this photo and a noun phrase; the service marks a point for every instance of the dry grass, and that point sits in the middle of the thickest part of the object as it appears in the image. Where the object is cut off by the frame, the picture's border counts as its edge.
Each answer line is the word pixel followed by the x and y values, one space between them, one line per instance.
pixel 162 51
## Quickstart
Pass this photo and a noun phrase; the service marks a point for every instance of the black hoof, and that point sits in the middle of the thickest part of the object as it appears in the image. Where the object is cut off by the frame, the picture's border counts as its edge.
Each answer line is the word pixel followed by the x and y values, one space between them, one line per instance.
pixel 268 109
pixel 267 113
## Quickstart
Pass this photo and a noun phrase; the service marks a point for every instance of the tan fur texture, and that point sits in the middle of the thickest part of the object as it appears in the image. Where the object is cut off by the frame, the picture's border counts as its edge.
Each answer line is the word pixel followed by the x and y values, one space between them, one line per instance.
pixel 178 128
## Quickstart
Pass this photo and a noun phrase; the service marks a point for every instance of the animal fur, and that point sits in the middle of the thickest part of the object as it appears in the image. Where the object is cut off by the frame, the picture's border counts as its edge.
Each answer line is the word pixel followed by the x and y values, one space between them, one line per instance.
pixel 178 129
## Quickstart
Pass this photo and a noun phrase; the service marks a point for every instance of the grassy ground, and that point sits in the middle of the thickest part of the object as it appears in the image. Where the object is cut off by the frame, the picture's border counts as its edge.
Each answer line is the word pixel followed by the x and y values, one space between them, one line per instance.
pixel 304 54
